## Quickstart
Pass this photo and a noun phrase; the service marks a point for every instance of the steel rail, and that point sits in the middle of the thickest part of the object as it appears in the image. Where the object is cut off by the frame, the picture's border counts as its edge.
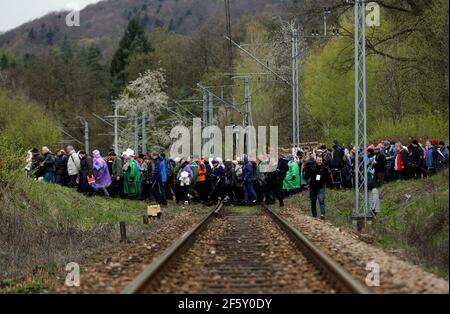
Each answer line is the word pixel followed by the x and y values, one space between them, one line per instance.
pixel 154 270
pixel 335 272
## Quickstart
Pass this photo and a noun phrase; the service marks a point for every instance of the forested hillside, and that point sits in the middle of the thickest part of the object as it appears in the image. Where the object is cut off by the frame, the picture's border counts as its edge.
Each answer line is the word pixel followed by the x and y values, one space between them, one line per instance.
pixel 77 77
pixel 103 23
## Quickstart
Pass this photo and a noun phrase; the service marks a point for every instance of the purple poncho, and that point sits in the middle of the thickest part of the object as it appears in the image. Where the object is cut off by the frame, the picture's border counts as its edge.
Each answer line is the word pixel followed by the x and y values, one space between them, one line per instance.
pixel 101 172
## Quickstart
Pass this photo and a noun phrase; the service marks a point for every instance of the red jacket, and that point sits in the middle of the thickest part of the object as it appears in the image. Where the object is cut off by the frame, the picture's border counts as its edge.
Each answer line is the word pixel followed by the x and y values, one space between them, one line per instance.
pixel 399 160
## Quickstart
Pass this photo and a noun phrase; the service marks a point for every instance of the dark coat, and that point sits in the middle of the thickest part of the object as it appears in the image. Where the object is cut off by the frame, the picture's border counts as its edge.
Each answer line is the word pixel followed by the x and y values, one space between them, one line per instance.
pixel 61 165
pixel 248 171
pixel 49 163
pixel 380 165
pixel 230 174
pixel 36 169
pixel 313 174
pixel 415 156
pixel 86 167
pixel 155 169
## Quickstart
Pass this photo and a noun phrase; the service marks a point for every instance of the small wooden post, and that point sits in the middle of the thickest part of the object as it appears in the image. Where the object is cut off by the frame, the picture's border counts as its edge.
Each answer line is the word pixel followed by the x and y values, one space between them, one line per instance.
pixel 145 219
pixel 123 232
pixel 360 225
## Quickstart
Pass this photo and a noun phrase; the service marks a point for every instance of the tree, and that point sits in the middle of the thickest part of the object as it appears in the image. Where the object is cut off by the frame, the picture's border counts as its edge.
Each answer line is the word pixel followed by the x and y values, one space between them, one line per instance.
pixel 4 62
pixel 133 42
pixel 146 95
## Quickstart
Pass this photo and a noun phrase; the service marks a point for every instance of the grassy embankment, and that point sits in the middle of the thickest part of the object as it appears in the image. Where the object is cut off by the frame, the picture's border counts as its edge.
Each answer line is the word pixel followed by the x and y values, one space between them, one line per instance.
pixel 45 226
pixel 414 219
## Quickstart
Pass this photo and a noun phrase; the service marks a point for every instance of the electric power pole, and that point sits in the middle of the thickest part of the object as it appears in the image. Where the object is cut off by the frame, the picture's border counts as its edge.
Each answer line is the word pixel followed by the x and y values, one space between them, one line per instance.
pixel 210 120
pixel 86 134
pixel 295 91
pixel 116 130
pixel 248 112
pixel 144 133
pixel 136 133
pixel 361 189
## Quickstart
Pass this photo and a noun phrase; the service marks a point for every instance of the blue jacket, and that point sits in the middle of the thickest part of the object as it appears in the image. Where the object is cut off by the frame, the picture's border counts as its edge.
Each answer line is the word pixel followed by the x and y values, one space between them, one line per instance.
pixel 162 170
pixel 247 172
pixel 218 172
pixel 431 157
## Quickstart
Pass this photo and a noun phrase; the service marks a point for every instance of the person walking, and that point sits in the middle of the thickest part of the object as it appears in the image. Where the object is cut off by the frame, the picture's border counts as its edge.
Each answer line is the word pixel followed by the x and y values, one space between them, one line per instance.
pixel 390 153
pixel 217 180
pixel 230 181
pixel 184 177
pixel 274 181
pixel 201 180
pixel 61 168
pixel 292 181
pixel 155 178
pixel 146 179
pixel 37 168
pixel 318 175
pixel 73 166
pixel 402 162
pixel 442 155
pixel 416 159
pixel 49 165
pixel 431 157
pixel 248 176
pixel 163 182
pixel 131 175
pixel 101 174
pixel 379 165
pixel 86 171
pixel 115 167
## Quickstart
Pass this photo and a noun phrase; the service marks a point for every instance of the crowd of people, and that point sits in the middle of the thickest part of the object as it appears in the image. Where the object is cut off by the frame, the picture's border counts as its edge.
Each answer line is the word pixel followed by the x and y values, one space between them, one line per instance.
pixel 156 178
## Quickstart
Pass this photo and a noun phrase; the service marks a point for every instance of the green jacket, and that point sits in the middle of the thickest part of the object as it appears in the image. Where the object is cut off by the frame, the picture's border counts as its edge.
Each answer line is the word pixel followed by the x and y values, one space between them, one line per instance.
pixel 292 180
pixel 132 177
pixel 194 167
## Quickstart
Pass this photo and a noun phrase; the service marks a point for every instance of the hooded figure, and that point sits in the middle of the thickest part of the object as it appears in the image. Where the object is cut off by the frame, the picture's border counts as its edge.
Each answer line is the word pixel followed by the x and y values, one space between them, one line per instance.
pixel 131 176
pixel 292 181
pixel 247 173
pixel 101 172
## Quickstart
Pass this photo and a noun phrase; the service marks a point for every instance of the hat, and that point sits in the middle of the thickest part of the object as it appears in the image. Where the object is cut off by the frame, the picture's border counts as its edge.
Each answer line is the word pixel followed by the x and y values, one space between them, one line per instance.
pixel 129 152
pixel 263 157
pixel 35 150
pixel 415 142
pixel 434 142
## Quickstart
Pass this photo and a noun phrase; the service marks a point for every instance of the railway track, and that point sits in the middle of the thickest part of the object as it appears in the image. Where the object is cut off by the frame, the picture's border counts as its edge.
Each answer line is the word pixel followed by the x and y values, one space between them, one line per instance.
pixel 228 252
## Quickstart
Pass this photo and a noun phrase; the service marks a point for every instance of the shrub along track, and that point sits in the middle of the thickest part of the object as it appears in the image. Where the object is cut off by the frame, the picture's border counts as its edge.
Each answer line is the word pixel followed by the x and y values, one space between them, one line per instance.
pixel 396 275
pixel 243 253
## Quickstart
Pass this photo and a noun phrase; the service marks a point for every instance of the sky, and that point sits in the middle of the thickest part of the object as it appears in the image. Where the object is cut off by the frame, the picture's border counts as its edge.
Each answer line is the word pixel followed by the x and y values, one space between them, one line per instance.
pixel 16 12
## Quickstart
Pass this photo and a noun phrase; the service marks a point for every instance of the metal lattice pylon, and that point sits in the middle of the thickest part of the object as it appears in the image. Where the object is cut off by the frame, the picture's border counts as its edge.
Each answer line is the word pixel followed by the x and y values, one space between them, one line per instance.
pixel 361 178
pixel 295 90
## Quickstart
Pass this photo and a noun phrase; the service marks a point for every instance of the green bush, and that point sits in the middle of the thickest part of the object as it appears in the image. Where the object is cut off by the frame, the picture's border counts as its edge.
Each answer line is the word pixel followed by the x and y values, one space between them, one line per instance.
pixel 418 126
pixel 24 124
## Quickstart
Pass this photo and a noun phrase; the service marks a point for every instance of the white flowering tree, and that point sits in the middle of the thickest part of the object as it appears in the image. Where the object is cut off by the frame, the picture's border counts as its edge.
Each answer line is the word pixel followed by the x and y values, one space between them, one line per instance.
pixel 146 95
